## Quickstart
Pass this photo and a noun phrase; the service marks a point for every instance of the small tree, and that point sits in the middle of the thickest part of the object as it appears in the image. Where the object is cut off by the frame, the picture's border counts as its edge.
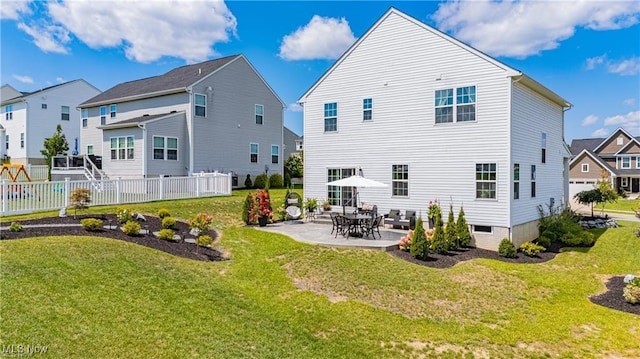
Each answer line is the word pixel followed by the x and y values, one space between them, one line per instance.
pixel 439 242
pixel 589 198
pixel 294 166
pixel 80 199
pixel 247 182
pixel 608 194
pixel 462 230
pixel 54 146
pixel 450 233
pixel 419 243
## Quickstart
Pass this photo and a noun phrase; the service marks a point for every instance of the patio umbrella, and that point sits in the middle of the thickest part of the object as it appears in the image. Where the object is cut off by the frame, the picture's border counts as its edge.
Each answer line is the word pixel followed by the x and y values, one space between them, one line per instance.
pixel 356 181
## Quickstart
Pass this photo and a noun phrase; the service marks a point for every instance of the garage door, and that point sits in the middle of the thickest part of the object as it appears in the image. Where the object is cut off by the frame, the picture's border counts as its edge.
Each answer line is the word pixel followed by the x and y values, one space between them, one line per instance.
pixel 579 186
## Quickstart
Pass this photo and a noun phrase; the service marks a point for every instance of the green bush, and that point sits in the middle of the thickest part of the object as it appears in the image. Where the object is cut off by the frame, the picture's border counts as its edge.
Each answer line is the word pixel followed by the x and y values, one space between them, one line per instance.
pixel 261 181
pixel 166 234
pixel 544 241
pixel 631 291
pixel 507 249
pixel 247 182
pixel 450 233
pixel 131 228
pixel 584 239
pixel 204 241
pixel 15 227
pixel 163 212
pixel 91 224
pixel 124 215
pixel 439 242
pixel 531 249
pixel 462 230
pixel 276 181
pixel 562 227
pixel 419 244
pixel 168 222
pixel 247 206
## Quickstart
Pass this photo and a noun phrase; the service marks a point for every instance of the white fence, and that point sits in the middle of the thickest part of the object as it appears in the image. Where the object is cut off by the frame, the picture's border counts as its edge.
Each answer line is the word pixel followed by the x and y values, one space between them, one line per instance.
pixel 35 172
pixel 27 197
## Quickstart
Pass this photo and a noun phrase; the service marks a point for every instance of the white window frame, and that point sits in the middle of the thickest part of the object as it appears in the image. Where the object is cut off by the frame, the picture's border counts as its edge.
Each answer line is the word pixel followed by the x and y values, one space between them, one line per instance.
pixel 21 139
pixel 455 101
pixel 479 225
pixel 329 115
pixel 585 168
pixel 400 180
pixel 443 102
pixel 196 105
pixel 259 114
pixel 251 153
pixel 638 162
pixel 89 149
pixel 624 181
pixel 516 181
pixel 620 141
pixel 84 113
pixel 113 110
pixel 367 109
pixel 103 115
pixel 622 162
pixel 458 104
pixel 8 112
pixel 533 181
pixel 63 113
pixel 166 150
pixel 486 169
pixel 299 146
pixel 544 147
pixel 277 155
pixel 122 153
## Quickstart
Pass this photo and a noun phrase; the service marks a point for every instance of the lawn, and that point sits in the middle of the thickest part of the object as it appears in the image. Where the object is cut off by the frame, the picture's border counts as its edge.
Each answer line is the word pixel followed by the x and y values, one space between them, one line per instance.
pixel 277 298
pixel 621 205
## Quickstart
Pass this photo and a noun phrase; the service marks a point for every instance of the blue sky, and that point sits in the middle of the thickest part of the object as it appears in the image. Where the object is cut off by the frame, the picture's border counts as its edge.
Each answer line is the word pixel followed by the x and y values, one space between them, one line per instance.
pixel 586 51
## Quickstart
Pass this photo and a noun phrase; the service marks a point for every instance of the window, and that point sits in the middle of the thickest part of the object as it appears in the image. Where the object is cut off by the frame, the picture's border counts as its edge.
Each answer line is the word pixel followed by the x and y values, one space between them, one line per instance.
pixel 466 101
pixel 482 229
pixel 64 113
pixel 585 167
pixel 624 181
pixel 6 141
pixel 122 148
pixel 544 147
pixel 254 152
pixel 113 111
pixel 275 154
pixel 89 149
pixel 165 148
pixel 620 141
pixel 625 162
pixel 299 146
pixel 638 162
pixel 400 180
pixel 331 117
pixel 22 140
pixel 85 116
pixel 103 115
pixel 444 106
pixel 339 196
pixel 201 105
pixel 44 106
pixel 8 112
pixel 485 180
pixel 259 114
pixel 84 123
pixel 516 181
pixel 533 181
pixel 367 109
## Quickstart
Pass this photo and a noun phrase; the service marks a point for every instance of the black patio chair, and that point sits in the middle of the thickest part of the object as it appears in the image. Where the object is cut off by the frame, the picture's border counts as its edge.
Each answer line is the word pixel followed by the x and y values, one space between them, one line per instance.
pixel 343 225
pixel 372 226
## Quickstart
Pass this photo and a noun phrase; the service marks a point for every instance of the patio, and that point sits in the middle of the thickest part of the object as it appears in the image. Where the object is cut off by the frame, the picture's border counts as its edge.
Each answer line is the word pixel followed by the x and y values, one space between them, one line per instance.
pixel 320 234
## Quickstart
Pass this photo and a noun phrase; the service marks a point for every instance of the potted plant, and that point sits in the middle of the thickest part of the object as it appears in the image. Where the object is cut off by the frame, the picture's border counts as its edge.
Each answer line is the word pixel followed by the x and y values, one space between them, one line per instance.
pixel 261 208
pixel 311 204
pixel 326 206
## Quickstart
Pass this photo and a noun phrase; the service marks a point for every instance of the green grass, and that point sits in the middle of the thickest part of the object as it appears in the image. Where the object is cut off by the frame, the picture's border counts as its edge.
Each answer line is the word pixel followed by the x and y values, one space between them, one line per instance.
pixel 621 205
pixel 277 298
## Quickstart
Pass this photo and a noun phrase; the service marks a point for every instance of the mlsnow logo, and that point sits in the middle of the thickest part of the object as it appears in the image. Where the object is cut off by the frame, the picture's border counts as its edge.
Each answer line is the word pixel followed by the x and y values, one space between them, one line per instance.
pixel 22 350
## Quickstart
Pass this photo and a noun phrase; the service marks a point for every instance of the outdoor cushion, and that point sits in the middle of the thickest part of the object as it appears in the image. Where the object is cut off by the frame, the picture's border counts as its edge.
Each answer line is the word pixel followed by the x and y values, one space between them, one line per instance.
pixel 394 213
pixel 293 212
pixel 292 201
pixel 367 207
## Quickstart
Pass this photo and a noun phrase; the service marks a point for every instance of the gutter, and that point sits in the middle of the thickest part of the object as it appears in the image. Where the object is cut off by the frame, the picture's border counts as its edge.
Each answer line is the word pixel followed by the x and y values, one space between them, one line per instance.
pixel 144 151
pixel 133 97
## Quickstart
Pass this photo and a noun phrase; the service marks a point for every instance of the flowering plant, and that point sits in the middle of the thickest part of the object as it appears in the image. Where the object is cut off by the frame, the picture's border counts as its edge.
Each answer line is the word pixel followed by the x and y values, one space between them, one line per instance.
pixel 434 208
pixel 201 222
pixel 405 242
pixel 124 215
pixel 260 206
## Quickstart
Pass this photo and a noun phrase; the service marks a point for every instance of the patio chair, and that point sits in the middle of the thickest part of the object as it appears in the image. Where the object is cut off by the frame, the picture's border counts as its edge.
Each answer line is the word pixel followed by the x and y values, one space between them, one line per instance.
pixel 372 226
pixel 334 222
pixel 343 225
pixel 392 218
pixel 293 202
pixel 409 221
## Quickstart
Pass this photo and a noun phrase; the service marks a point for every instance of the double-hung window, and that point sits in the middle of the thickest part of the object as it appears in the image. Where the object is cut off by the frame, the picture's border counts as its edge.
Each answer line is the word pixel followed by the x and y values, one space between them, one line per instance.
pixel 462 106
pixel 516 181
pixel 533 181
pixel 85 117
pixel 544 147
pixel 165 148
pixel 64 116
pixel 8 112
pixel 122 148
pixel 400 180
pixel 367 109
pixel 259 114
pixel 638 162
pixel 113 111
pixel 201 105
pixel 625 162
pixel 444 106
pixel 22 140
pixel 253 152
pixel 486 180
pixel 275 153
pixel 103 115
pixel 331 117
pixel 89 149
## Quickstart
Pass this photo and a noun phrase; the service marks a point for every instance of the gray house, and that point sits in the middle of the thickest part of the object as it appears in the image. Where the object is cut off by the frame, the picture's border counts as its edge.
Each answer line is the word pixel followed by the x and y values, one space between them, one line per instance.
pixel 292 143
pixel 218 115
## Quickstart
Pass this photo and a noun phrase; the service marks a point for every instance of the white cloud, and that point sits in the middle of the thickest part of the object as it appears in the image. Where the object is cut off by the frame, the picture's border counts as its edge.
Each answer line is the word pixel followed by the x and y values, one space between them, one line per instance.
pixel 12 9
pixel 24 79
pixel 630 101
pixel 60 79
pixel 321 38
pixel 589 120
pixel 48 37
pixel 294 107
pixel 630 122
pixel 601 132
pixel 593 62
pixel 522 28
pixel 628 67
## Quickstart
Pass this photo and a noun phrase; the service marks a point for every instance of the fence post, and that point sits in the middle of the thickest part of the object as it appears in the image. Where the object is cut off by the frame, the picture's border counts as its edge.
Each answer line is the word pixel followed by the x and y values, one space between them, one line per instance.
pixel 229 180
pixel 118 194
pixel 197 178
pixel 161 187
pixel 5 196
pixel 67 186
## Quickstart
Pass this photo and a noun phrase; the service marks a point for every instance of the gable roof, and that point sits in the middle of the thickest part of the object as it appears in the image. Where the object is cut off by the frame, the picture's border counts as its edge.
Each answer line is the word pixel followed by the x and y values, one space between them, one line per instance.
pixel 174 81
pixel 579 145
pixel 37 92
pixel 595 158
pixel 134 122
pixel 511 72
pixel 619 129
pixel 633 140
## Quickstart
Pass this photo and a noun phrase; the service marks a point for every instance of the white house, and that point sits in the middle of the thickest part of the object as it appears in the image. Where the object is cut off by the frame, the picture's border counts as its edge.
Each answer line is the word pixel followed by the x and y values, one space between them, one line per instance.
pixel 218 115
pixel 30 117
pixel 436 119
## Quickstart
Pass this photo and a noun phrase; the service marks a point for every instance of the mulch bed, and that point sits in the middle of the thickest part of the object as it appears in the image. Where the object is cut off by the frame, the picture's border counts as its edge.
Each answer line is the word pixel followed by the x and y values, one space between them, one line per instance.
pixel 153 224
pixel 613 298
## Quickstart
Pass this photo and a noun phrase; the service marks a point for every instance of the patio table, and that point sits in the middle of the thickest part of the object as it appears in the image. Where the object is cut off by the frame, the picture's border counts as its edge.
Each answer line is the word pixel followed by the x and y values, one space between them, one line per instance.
pixel 355 224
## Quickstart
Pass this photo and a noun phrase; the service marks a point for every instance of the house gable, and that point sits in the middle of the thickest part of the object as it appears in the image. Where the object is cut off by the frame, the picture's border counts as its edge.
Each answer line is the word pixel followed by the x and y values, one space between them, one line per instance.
pixel 612 144
pixel 631 148
pixel 594 165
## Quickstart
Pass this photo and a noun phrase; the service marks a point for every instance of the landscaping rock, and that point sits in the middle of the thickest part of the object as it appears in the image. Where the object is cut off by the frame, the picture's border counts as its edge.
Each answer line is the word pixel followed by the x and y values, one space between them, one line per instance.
pixel 598 222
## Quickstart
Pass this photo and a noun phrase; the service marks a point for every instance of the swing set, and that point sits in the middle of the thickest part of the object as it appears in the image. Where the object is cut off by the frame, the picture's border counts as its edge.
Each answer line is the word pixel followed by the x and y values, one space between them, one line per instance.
pixel 14 176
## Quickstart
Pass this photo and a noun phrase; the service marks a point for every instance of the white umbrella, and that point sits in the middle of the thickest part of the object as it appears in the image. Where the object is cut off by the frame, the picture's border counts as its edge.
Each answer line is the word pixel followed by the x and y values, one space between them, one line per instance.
pixel 356 181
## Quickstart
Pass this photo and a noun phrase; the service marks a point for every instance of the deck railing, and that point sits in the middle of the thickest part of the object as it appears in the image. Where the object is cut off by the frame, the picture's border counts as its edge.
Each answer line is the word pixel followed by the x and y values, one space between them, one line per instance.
pixel 27 197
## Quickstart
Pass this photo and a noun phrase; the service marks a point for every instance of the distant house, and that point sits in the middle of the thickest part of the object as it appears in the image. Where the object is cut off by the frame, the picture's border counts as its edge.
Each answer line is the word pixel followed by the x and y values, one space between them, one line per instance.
pixel 617 155
pixel 436 119
pixel 292 143
pixel 218 115
pixel 28 118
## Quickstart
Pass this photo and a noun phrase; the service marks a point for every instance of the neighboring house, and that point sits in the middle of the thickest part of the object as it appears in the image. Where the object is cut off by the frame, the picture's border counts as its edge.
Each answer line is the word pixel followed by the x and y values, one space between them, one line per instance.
pixel 617 155
pixel 28 118
pixel 436 119
pixel 218 115
pixel 292 143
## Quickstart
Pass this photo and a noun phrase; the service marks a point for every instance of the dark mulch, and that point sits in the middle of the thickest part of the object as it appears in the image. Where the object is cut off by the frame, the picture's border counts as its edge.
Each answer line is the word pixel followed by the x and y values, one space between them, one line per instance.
pixel 613 298
pixel 153 224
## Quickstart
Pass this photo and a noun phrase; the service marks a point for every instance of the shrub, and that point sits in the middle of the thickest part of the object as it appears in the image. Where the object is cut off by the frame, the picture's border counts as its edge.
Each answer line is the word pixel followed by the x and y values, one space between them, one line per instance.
pixel 131 228
pixel 247 207
pixel 419 244
pixel 15 227
pixel 531 249
pixel 201 222
pixel 163 212
pixel 261 181
pixel 631 292
pixel 405 242
pixel 450 234
pixel 276 181
pixel 124 215
pixel 507 249
pixel 247 182
pixel 91 224
pixel 544 241
pixel 204 240
pixel 439 243
pixel 80 199
pixel 584 239
pixel 166 234
pixel 168 222
pixel 462 230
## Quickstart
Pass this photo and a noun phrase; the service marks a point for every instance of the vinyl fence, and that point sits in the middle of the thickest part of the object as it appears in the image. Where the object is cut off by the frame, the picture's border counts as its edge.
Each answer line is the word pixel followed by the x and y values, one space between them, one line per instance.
pixel 27 197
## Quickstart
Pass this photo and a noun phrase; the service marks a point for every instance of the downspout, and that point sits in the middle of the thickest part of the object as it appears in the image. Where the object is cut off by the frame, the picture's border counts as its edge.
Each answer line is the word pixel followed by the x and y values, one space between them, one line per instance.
pixel 144 149
pixel 190 124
